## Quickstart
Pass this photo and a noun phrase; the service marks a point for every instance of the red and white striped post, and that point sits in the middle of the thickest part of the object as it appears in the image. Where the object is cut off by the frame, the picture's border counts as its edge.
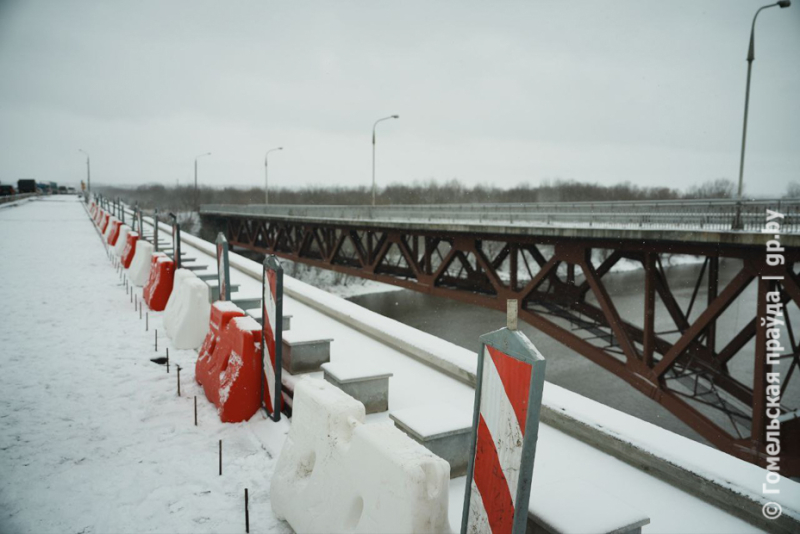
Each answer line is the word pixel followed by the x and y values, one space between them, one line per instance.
pixel 223 268
pixel 272 335
pixel 508 400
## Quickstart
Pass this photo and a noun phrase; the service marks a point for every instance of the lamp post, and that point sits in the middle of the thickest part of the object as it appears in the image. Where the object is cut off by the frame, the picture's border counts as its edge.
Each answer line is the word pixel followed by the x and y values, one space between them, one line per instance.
pixel 373 151
pixel 196 197
pixel 88 171
pixel 266 174
pixel 738 224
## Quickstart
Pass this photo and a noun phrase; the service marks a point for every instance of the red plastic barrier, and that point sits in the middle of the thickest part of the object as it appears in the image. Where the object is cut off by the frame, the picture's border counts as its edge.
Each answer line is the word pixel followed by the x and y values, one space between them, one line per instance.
pixel 113 235
pixel 130 249
pixel 92 209
pixel 221 314
pixel 231 377
pixel 98 214
pixel 104 223
pixel 159 286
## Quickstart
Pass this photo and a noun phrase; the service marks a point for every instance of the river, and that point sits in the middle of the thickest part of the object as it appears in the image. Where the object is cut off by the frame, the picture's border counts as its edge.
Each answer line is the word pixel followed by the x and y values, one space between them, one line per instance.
pixel 462 324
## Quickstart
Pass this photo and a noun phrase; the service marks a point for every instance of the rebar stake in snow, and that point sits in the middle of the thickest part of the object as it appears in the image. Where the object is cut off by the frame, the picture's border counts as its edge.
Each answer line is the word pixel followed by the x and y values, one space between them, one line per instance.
pixel 195 410
pixel 167 359
pixel 220 457
pixel 246 513
pixel 178 367
pixel 156 338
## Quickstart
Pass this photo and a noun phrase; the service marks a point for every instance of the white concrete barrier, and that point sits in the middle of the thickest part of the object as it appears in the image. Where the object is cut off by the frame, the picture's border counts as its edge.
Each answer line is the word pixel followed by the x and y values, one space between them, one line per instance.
pixel 336 474
pixel 119 246
pixel 187 311
pixel 175 296
pixel 139 271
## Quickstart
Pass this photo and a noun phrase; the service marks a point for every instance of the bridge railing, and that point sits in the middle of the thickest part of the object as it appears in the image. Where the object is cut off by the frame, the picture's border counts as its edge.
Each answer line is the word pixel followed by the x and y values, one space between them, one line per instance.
pixel 718 215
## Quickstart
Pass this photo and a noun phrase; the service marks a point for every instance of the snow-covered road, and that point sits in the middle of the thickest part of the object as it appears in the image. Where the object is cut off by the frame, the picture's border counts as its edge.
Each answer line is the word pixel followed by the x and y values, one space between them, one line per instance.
pixel 93 437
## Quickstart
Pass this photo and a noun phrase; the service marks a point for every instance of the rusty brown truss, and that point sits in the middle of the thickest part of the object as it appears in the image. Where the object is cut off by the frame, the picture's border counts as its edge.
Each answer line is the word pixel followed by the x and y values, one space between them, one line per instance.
pixel 559 283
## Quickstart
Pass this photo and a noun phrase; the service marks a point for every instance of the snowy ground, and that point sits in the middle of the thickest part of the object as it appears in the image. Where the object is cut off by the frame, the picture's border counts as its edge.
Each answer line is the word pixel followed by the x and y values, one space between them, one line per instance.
pixel 93 437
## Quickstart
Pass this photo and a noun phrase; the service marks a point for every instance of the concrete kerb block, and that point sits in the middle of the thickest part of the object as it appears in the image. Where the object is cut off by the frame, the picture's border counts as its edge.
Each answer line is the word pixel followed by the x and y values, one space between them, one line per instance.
pixel 213 286
pixel 367 384
pixel 336 474
pixel 304 353
pixel 443 429
pixel 257 314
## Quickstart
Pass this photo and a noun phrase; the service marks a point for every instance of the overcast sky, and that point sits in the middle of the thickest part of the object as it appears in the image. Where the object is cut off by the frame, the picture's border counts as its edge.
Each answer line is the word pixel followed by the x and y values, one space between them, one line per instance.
pixel 487 92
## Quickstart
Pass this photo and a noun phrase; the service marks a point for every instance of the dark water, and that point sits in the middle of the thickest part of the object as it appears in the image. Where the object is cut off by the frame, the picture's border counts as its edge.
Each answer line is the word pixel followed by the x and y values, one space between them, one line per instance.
pixel 462 324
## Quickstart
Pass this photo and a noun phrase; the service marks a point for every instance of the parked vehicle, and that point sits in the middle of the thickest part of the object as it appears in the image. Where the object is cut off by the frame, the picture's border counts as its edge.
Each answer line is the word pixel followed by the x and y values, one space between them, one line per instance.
pixel 62 190
pixel 7 190
pixel 26 186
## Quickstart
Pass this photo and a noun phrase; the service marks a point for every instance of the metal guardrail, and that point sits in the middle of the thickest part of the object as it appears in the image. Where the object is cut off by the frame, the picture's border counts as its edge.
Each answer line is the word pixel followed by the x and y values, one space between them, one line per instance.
pixel 720 215
pixel 14 198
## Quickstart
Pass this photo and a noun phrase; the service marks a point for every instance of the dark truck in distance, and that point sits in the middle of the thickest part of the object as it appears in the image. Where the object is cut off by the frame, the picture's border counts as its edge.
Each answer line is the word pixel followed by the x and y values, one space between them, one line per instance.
pixel 26 186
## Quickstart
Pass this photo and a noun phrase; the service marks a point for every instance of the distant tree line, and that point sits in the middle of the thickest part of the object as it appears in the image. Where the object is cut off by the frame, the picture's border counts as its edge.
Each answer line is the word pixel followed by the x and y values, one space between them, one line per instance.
pixel 182 198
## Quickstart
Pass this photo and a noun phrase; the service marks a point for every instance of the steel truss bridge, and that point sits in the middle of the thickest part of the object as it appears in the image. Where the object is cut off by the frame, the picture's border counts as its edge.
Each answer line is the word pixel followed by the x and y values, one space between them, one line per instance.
pixel 553 257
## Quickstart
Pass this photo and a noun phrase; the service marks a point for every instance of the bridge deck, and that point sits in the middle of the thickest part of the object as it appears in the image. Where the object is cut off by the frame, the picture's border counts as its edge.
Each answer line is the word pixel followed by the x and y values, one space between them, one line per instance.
pixel 709 222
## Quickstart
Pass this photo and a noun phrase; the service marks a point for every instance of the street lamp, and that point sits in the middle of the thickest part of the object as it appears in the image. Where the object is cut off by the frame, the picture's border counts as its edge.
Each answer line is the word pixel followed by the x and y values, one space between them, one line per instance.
pixel 266 175
pixel 373 151
pixel 196 197
pixel 88 171
pixel 750 57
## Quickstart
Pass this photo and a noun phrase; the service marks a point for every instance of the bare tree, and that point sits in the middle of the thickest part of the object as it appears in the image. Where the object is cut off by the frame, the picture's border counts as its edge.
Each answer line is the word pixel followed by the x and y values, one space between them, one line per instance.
pixel 719 188
pixel 181 198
